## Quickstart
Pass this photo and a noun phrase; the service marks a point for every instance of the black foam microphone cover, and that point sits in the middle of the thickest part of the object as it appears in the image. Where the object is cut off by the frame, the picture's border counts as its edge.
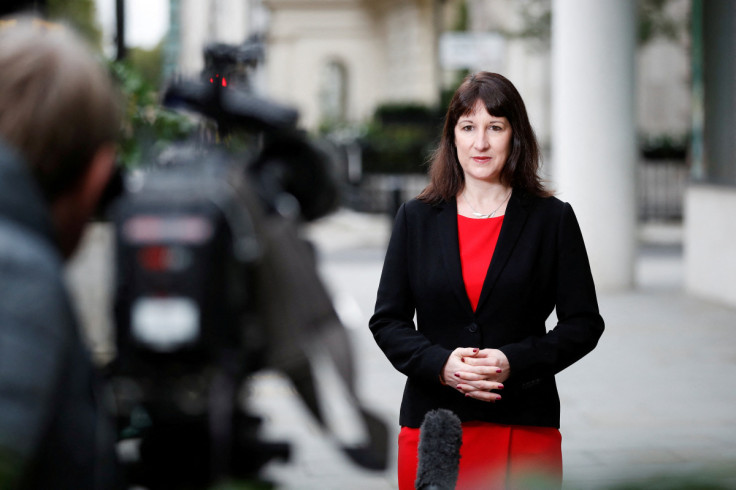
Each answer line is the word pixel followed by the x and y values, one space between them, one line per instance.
pixel 440 438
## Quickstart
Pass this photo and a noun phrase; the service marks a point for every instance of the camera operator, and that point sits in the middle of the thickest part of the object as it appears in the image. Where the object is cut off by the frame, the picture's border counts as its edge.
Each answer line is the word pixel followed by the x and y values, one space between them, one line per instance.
pixel 58 122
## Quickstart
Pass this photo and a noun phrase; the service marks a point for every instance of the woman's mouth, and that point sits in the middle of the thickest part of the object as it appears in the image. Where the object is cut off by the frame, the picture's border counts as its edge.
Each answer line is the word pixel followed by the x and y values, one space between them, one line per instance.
pixel 481 159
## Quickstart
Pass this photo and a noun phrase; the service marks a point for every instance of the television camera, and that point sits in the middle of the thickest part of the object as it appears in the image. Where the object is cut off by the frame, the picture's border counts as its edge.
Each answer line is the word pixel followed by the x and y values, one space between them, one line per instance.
pixel 214 283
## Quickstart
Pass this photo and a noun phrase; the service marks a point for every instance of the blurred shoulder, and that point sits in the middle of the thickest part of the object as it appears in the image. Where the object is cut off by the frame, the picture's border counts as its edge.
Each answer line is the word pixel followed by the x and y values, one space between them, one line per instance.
pixel 32 283
pixel 28 248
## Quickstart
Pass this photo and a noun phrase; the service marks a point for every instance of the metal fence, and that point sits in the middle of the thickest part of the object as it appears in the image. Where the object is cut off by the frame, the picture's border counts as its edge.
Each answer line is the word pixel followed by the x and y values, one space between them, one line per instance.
pixel 383 193
pixel 660 190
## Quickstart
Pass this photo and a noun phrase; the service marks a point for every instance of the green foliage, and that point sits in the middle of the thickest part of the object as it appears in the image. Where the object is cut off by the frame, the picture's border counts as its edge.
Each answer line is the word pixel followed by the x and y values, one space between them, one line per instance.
pixel 403 113
pixel 664 147
pixel 148 62
pixel 461 24
pixel 10 468
pixel 400 138
pixel 713 479
pixel 655 21
pixel 80 14
pixel 147 126
pixel 447 93
pixel 536 25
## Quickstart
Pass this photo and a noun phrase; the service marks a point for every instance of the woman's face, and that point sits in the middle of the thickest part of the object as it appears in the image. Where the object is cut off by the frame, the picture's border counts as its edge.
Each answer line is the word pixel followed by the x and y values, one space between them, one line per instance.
pixel 483 144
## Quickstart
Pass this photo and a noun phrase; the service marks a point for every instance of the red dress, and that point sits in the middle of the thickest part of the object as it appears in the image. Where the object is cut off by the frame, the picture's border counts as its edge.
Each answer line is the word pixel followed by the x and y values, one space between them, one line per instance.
pixel 492 456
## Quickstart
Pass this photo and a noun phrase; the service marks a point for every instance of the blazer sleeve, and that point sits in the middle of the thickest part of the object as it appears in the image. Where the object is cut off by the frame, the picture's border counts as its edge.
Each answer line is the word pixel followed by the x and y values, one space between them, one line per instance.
pixel 579 323
pixel 392 323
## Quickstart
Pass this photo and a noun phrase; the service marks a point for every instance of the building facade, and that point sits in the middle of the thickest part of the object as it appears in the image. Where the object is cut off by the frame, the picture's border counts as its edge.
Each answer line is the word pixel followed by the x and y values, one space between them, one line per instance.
pixel 195 23
pixel 592 91
pixel 710 203
pixel 336 60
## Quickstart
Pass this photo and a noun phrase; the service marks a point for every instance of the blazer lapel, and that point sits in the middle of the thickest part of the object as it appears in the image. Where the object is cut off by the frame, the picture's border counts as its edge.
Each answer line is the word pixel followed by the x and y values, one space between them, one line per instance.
pixel 513 223
pixel 447 220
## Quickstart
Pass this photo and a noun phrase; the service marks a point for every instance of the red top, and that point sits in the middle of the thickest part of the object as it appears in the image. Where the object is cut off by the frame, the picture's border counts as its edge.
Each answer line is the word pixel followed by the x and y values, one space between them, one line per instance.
pixel 477 239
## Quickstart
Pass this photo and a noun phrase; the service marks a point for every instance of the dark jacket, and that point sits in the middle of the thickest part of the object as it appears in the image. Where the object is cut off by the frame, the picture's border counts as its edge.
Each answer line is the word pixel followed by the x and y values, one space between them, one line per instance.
pixel 539 264
pixel 52 430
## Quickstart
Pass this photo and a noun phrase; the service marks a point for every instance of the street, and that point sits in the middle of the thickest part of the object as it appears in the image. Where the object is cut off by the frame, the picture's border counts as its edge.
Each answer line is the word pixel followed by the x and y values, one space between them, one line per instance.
pixel 655 398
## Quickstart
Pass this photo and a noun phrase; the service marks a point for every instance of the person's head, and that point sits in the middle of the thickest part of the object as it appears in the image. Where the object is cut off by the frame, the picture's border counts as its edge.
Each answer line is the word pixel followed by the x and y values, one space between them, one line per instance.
pixel 60 111
pixel 500 99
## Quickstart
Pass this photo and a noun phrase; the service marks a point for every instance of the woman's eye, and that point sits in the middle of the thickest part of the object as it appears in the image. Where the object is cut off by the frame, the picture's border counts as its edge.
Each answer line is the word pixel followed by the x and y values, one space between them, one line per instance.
pixel 467 128
pixel 496 128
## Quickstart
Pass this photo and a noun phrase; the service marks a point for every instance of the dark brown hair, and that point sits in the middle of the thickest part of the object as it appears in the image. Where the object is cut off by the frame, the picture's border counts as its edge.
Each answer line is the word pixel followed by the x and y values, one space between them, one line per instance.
pixel 501 99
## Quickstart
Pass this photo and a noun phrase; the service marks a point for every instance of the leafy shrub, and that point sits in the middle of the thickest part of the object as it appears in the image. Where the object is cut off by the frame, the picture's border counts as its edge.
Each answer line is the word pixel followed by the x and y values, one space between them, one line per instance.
pixel 400 139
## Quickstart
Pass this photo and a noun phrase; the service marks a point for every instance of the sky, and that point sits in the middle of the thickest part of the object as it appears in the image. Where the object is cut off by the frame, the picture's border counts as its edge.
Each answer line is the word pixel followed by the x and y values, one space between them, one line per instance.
pixel 146 21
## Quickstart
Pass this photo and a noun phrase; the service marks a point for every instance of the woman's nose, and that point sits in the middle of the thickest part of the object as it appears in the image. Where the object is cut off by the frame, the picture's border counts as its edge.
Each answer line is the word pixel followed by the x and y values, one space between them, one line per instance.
pixel 482 141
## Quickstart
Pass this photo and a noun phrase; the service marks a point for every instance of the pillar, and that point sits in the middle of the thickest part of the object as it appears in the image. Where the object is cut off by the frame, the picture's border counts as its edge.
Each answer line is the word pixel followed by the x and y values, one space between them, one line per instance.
pixel 594 150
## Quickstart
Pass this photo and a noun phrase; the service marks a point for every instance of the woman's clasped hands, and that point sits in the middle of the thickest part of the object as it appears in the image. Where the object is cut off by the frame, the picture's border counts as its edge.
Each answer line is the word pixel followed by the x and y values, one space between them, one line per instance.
pixel 478 373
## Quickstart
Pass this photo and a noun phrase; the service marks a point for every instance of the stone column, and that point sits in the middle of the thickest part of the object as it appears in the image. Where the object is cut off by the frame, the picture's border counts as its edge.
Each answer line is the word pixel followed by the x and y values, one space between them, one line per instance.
pixel 594 129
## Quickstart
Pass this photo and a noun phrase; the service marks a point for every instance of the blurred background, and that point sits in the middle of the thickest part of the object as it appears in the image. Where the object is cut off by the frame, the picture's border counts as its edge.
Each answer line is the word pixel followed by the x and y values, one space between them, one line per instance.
pixel 634 104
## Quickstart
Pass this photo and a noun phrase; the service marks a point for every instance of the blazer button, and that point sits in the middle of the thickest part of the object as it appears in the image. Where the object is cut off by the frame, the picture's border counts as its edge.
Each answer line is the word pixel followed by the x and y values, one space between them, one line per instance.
pixel 472 328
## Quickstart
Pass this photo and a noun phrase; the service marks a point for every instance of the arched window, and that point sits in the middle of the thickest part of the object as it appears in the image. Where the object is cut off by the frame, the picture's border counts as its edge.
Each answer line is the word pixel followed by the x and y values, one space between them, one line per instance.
pixel 333 93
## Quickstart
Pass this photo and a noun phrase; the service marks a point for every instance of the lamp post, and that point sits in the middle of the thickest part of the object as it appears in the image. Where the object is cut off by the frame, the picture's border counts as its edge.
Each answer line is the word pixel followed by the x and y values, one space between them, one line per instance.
pixel 120 29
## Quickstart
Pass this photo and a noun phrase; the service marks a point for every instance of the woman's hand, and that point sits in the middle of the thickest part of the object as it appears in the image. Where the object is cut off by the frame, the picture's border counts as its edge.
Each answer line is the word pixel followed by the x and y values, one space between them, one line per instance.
pixel 456 364
pixel 477 373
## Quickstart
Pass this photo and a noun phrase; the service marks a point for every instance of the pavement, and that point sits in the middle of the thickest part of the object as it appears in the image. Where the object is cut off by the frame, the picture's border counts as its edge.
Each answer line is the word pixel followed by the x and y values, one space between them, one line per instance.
pixel 655 399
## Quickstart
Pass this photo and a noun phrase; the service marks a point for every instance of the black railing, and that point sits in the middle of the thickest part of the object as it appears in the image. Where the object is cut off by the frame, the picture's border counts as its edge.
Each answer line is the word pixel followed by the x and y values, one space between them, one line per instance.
pixel 661 189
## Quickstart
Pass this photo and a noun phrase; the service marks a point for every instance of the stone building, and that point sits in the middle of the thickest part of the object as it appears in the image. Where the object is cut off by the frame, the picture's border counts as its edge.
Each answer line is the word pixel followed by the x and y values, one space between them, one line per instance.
pixel 592 93
pixel 336 60
pixel 195 23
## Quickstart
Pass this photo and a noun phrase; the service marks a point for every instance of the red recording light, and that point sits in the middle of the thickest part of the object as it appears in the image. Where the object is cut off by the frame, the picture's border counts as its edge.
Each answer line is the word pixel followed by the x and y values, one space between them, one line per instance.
pixel 223 82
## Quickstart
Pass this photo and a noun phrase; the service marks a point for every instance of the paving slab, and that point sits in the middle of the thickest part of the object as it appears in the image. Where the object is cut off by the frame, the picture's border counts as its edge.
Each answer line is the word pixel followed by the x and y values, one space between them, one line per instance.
pixel 656 397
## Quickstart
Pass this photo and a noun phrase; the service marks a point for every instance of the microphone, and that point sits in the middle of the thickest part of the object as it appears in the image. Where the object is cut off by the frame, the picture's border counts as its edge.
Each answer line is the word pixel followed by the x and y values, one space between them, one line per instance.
pixel 440 438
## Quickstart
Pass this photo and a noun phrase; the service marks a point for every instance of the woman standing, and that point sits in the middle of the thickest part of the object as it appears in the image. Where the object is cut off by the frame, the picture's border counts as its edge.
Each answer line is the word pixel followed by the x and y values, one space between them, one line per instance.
pixel 482 257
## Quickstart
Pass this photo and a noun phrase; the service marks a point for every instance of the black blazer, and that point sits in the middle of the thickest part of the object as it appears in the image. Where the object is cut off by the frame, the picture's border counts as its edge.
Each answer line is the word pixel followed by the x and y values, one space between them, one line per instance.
pixel 539 263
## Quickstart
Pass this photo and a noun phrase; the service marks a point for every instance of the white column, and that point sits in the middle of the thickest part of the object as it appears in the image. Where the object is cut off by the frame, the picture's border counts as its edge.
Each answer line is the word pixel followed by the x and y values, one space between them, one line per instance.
pixel 594 129
pixel 195 33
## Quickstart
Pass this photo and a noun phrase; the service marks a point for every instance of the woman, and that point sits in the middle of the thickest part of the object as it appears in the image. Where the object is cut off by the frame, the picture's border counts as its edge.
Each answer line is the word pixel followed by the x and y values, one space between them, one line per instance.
pixel 482 257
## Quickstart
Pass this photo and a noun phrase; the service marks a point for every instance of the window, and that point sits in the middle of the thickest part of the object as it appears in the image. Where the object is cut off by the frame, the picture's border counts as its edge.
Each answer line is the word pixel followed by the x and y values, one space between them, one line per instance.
pixel 333 93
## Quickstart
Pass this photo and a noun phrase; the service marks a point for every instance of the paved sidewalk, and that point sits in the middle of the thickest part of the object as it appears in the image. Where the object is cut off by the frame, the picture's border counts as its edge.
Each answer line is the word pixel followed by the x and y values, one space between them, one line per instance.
pixel 656 397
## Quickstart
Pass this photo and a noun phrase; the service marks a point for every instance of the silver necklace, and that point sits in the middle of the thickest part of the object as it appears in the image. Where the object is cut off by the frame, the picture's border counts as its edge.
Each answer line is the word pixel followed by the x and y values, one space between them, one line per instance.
pixel 481 215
